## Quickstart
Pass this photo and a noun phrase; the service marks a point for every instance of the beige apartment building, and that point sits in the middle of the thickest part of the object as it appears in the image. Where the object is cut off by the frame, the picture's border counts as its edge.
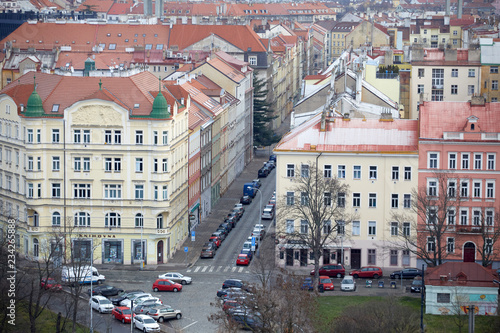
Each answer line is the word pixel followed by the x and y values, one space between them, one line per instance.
pixel 104 164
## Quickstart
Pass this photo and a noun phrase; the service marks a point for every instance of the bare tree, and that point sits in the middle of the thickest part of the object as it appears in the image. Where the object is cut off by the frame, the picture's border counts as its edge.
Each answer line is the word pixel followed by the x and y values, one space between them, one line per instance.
pixel 489 230
pixel 320 208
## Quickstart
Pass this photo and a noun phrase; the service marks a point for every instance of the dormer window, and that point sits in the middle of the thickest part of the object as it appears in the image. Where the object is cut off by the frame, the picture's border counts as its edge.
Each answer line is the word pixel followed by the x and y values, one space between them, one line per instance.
pixel 471 127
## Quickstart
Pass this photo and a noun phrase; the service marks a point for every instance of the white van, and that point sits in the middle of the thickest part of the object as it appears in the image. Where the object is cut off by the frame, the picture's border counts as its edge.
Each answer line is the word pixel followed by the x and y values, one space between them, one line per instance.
pixel 81 274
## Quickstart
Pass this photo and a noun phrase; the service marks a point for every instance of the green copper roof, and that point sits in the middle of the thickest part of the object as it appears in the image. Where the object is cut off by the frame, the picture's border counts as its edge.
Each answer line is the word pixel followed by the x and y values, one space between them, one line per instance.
pixel 34 107
pixel 160 106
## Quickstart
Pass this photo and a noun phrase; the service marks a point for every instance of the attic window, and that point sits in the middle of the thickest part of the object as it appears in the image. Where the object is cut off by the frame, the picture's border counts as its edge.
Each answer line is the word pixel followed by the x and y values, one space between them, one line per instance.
pixel 109 35
pixel 149 46
pixel 136 106
pixel 126 40
pixel 187 11
pixel 40 41
pixel 180 11
pixel 27 40
pixel 102 45
pixel 159 46
pixel 135 35
pixel 55 107
pixel 73 42
pixel 57 42
pixel 471 127
pixel 156 35
pixel 112 46
pixel 119 35
pixel 14 41
pixel 88 42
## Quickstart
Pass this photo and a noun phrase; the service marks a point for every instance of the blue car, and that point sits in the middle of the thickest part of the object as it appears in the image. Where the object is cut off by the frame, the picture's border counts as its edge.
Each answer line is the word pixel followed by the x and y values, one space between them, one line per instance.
pixel 307 284
pixel 248 252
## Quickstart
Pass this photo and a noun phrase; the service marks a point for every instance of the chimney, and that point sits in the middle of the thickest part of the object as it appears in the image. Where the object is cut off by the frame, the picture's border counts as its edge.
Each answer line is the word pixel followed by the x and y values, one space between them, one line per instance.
pixel 386 116
pixel 477 101
pixel 447 9
pixel 460 8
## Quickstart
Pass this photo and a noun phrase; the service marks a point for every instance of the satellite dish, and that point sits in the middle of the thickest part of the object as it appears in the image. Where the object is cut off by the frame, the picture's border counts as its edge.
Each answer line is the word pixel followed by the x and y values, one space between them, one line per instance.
pixel 72 69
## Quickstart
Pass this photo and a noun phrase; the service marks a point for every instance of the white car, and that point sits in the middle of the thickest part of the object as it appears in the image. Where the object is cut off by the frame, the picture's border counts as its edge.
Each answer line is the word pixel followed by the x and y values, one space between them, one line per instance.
pixel 126 302
pixel 151 299
pixel 267 214
pixel 101 304
pixel 348 284
pixel 176 277
pixel 146 323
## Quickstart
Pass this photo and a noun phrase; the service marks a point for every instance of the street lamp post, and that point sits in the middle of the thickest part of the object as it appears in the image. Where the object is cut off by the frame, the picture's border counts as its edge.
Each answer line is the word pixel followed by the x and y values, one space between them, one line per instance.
pixel 260 220
pixel 142 244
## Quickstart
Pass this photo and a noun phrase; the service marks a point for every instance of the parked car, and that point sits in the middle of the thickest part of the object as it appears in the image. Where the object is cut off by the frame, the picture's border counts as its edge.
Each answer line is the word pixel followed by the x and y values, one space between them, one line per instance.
pixel 406 273
pixel 50 283
pixel 307 284
pixel 127 301
pixel 326 282
pixel 220 235
pixel 372 272
pixel 332 270
pixel 226 226
pixel 239 206
pixel 225 291
pixel 416 285
pixel 258 233
pixel 239 210
pixel 101 304
pixel 176 277
pixel 145 307
pixel 223 231
pixel 248 245
pixel 105 290
pixel 246 200
pixel 248 252
pixel 348 284
pixel 263 172
pixel 216 240
pixel 236 283
pixel 122 313
pixel 268 206
pixel 123 295
pixel 166 285
pixel 257 183
pixel 208 250
pixel 161 313
pixel 272 158
pixel 234 215
pixel 243 260
pixel 272 201
pixel 147 300
pixel 146 323
pixel 231 220
pixel 245 319
pixel 267 214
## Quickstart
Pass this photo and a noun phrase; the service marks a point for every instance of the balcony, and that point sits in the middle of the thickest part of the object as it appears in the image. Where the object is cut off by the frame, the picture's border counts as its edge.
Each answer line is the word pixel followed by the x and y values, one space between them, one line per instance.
pixel 386 75
pixel 472 229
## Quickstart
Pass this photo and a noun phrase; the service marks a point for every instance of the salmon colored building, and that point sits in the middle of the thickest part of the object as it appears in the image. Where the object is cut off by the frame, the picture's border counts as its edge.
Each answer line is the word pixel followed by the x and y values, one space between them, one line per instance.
pixel 458 149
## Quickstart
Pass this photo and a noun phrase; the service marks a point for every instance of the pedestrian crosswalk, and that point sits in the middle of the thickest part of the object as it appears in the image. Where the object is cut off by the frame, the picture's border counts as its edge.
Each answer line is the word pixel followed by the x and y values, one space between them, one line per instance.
pixel 218 269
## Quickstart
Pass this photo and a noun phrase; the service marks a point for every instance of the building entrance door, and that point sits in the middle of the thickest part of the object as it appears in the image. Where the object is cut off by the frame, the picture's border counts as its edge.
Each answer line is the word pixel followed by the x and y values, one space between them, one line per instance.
pixel 469 252
pixel 160 252
pixel 355 258
pixel 326 256
pixel 289 257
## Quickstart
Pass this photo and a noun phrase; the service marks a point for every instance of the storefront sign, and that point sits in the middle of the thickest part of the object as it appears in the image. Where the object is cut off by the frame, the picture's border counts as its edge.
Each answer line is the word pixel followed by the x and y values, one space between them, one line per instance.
pixel 296 242
pixel 95 236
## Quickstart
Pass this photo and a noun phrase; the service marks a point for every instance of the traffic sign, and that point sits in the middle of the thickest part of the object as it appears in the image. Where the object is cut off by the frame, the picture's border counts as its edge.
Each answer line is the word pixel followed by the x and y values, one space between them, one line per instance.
pixel 253 241
pixel 192 236
pixel 253 248
pixel 185 248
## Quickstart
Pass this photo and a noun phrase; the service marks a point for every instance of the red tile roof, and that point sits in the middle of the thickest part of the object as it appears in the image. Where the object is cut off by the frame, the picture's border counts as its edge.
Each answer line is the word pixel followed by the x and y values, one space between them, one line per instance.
pixel 461 273
pixel 99 6
pixel 102 60
pixel 439 117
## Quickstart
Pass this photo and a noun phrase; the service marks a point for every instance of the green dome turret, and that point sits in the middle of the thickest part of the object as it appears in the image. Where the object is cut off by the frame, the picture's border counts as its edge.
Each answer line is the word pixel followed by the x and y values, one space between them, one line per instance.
pixel 160 106
pixel 34 107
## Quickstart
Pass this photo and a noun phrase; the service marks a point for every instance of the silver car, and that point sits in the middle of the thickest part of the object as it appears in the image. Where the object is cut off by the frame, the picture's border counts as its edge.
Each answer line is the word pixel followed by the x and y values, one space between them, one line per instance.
pixel 348 284
pixel 161 313
pixel 176 277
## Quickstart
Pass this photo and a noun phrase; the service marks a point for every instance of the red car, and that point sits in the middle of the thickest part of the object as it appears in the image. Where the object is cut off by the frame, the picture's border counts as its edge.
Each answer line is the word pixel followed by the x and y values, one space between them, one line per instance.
pixel 373 272
pixel 216 240
pixel 122 313
pixel 326 282
pixel 242 260
pixel 51 284
pixel 166 285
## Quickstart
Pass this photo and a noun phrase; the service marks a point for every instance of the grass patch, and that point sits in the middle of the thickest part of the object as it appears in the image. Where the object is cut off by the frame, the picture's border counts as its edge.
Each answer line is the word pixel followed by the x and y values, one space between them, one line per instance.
pixel 330 307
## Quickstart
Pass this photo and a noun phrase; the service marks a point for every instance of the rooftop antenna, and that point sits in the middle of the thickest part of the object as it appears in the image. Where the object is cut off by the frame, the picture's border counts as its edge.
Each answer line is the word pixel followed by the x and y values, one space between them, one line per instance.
pixel 100 84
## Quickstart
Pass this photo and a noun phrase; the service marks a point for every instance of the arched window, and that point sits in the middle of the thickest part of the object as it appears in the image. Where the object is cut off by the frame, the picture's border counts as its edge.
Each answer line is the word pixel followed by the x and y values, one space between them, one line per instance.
pixel 35 247
pixel 56 219
pixel 139 220
pixel 82 219
pixel 159 222
pixel 112 220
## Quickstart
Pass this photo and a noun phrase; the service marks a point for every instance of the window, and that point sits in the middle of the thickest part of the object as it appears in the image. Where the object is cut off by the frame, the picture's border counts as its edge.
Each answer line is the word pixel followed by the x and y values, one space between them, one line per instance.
pixel 327 172
pixel 450 245
pixel 443 298
pixel 373 172
pixel 108 136
pixel 464 189
pixel 454 89
pixel 451 216
pixel 327 227
pixel 165 137
pixel 341 199
pixel 155 192
pixel 289 226
pixel 340 227
pixel 304 227
pixel 356 199
pixel 433 160
pixel 470 89
pixel 493 69
pixel 488 245
pixel 490 189
pixel 395 201
pixel 139 164
pixel 394 258
pixel 56 190
pixel 82 219
pixel 155 137
pixel 406 200
pixel 357 172
pixel 490 161
pixel 420 89
pixel 30 163
pixel 139 137
pixel 252 60
pixel 431 215
pixel 437 78
pixel 406 228
pixel 155 165
pixel 304 199
pixel 452 160
pixel 395 173
pixel 472 72
pixel 476 189
pixel 372 228
pixel 112 191
pixel 290 198
pixel 327 199
pixel 432 188
pixel 356 228
pixel 290 170
pixel 476 217
pixel 81 191
pixel 38 135
pixel 86 164
pixel 30 135
pixel 159 222
pixel 394 228
pixel 465 161
pixel 56 219
pixel 86 136
pixel 421 72
pixel 164 192
pixel 139 220
pixel 464 217
pixel 407 173
pixel 55 136
pixel 371 257
pixel 452 188
pixel 478 161
pixel 77 136
pixel 117 165
pixel 454 71
pixel 56 163
pixel 118 137
pixel 112 220
pixel 108 164
pixel 431 245
pixel 304 170
pixel 31 191
pixel 77 163
pixel 494 84
pixel 164 165
pixel 341 171
pixel 372 200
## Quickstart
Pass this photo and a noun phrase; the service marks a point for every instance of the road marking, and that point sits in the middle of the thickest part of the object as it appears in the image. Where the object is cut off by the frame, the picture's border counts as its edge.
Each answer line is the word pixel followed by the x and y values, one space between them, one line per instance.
pixel 197 269
pixel 204 269
pixel 182 329
pixel 240 270
pixel 211 269
pixel 226 269
pixel 233 269
pixel 219 268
